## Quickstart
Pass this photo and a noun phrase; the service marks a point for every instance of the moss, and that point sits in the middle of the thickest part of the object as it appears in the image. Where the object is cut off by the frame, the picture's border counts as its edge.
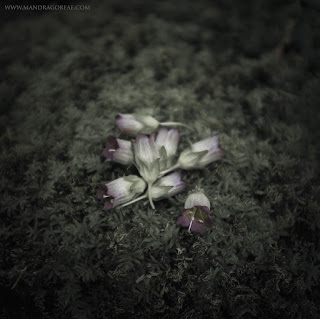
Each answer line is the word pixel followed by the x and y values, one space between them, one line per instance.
pixel 190 63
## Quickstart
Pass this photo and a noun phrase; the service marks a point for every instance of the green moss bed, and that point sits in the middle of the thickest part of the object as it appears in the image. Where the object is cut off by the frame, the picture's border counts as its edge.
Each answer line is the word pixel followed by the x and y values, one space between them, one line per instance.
pixel 248 71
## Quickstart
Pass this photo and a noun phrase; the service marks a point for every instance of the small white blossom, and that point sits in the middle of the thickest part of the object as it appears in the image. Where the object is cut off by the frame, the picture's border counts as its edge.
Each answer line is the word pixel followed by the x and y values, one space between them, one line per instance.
pixel 167 144
pixel 133 124
pixel 121 190
pixel 168 186
pixel 119 151
pixel 195 214
pixel 147 157
pixel 201 153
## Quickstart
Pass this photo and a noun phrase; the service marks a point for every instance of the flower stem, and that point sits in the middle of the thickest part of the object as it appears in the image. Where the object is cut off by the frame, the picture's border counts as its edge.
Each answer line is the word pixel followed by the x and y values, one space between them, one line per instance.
pixel 133 201
pixel 149 195
pixel 176 124
pixel 170 169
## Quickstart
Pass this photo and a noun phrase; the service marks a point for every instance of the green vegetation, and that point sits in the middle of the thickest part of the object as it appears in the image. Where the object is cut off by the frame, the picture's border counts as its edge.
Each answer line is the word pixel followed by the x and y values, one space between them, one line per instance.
pixel 65 77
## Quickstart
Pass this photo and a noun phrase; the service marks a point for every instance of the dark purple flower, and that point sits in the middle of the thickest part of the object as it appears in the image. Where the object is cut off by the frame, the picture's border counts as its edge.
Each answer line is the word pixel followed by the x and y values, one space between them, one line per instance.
pixel 121 190
pixel 119 151
pixel 195 214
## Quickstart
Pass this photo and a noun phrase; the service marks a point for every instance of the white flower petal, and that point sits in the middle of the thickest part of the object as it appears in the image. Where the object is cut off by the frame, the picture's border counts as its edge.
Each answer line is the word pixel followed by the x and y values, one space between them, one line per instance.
pixel 167 186
pixel 206 144
pixel 143 150
pixel 119 187
pixel 148 121
pixel 122 200
pixel 120 190
pixel 128 124
pixel 169 180
pixel 197 199
pixel 123 154
pixel 123 143
pixel 162 137
pixel 147 157
pixel 212 156
pixel 169 139
pixel 188 159
pixel 158 192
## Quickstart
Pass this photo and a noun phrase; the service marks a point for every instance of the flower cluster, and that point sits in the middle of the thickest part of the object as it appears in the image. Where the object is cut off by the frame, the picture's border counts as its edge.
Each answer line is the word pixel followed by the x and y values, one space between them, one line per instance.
pixel 155 157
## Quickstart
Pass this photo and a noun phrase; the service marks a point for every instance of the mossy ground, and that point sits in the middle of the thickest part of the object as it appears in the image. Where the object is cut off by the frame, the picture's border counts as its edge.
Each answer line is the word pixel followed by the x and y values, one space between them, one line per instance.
pixel 249 72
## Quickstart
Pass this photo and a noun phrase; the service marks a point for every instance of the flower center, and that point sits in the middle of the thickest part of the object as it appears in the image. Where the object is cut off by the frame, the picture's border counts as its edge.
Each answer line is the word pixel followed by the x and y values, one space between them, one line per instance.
pixel 198 215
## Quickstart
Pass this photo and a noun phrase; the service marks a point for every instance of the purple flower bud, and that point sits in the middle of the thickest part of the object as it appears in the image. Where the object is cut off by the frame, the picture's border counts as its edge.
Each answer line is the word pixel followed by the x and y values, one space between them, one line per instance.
pixel 147 157
pixel 119 151
pixel 121 190
pixel 195 214
pixel 167 144
pixel 201 153
pixel 133 124
pixel 168 186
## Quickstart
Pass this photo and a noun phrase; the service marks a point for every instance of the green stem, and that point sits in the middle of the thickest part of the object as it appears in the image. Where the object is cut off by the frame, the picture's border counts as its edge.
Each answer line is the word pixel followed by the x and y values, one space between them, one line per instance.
pixel 170 169
pixel 133 201
pixel 149 195
pixel 176 124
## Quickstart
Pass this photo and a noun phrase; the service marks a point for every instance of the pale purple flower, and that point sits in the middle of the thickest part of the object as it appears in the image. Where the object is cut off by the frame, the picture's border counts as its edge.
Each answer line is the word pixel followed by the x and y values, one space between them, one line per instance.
pixel 201 153
pixel 195 214
pixel 168 186
pixel 119 151
pixel 167 144
pixel 146 157
pixel 133 124
pixel 121 190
